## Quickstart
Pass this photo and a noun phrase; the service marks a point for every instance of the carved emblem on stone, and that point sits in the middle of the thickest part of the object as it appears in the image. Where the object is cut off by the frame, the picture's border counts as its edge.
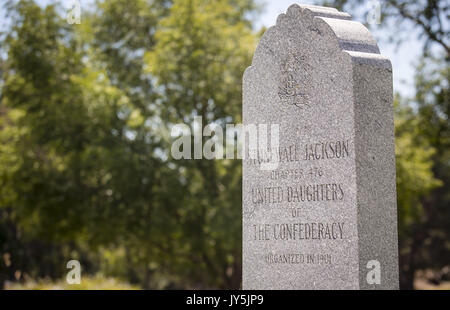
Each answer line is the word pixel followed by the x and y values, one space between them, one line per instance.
pixel 294 81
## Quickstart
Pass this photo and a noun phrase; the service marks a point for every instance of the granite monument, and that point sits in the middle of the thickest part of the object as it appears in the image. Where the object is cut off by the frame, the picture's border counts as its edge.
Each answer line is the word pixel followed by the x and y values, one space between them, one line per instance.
pixel 323 217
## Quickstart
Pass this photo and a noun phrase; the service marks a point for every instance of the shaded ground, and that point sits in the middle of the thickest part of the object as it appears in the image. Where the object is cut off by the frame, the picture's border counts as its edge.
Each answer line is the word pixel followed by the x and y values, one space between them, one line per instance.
pixel 423 284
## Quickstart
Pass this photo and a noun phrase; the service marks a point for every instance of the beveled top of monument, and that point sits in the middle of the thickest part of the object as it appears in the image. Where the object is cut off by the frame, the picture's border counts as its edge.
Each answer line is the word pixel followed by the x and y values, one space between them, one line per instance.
pixel 322 29
pixel 308 54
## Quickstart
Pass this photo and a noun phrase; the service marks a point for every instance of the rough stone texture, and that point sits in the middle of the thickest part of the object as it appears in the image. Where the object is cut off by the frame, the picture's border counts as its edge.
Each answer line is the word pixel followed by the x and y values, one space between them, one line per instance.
pixel 321 77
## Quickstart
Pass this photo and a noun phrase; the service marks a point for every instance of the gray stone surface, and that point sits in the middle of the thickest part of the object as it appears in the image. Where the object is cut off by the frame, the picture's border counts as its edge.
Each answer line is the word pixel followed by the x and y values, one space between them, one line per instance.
pixel 329 208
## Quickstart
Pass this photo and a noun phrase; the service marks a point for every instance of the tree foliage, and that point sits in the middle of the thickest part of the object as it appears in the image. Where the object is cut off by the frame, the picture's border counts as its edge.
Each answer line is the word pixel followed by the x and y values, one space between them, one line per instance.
pixel 84 145
pixel 202 49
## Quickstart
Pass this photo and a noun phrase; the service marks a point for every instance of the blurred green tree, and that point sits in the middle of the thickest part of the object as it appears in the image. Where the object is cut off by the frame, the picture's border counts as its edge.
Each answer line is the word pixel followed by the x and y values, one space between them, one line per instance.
pixel 84 146
pixel 79 161
pixel 201 51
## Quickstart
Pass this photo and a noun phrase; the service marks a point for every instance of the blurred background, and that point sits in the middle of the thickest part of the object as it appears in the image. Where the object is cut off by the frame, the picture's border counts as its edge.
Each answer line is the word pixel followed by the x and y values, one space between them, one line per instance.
pixel 85 115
